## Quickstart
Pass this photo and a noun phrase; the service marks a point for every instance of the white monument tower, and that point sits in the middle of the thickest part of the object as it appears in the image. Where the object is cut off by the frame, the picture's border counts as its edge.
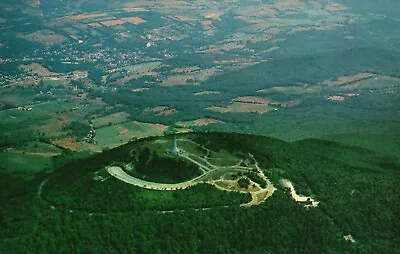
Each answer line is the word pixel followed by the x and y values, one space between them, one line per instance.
pixel 174 150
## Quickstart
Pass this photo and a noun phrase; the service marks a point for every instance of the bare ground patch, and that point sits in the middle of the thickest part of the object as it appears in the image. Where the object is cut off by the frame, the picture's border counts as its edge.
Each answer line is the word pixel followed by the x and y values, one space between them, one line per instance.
pixel 140 89
pixel 336 98
pixel 199 122
pixel 134 20
pixel 206 93
pixel 86 16
pixel 213 15
pixel 112 22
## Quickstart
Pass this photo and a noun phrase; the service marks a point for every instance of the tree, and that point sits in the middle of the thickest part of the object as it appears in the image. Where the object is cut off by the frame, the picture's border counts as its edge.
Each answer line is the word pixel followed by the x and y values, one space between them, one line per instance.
pixel 244 183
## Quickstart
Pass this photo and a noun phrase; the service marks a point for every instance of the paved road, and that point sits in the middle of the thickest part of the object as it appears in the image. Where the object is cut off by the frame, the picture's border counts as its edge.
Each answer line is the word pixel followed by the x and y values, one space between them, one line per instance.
pixel 120 174
pixel 208 169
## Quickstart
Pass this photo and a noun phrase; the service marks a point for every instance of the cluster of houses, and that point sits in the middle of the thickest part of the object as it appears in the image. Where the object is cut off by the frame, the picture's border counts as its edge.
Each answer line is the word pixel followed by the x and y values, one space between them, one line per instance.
pixel 90 137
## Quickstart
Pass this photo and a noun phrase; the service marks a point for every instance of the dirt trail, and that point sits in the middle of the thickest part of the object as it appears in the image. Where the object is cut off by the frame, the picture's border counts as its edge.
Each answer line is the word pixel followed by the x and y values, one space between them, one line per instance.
pixel 264 193
pixel 299 198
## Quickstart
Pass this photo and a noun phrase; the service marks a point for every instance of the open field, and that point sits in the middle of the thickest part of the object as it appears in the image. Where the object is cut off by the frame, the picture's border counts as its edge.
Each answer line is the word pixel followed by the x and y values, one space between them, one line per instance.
pixel 190 78
pixel 136 71
pixel 51 127
pixel 238 107
pixel 161 111
pixel 69 143
pixel 199 122
pixel 87 16
pixel 113 136
pixel 46 37
pixel 378 82
pixel 134 20
pixel 112 22
pixel 112 119
pixel 223 158
pixel 349 79
pixel 298 90
pixel 25 162
pixel 121 21
pixel 38 69
pixel 186 69
pixel 222 48
pixel 39 147
pixel 253 99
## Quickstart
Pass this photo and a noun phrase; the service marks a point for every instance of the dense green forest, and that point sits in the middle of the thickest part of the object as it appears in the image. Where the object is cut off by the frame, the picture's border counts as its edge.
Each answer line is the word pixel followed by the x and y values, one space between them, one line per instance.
pixel 67 210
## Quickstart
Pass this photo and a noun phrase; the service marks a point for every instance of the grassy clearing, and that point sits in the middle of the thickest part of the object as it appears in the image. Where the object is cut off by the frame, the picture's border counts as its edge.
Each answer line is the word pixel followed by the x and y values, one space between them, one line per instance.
pixel 19 161
pixel 38 69
pixel 223 158
pixel 108 137
pixel 111 119
pixel 141 68
pixel 112 136
pixel 39 147
pixel 190 78
pixel 45 37
pixel 191 148
pixel 373 83
pixel 238 107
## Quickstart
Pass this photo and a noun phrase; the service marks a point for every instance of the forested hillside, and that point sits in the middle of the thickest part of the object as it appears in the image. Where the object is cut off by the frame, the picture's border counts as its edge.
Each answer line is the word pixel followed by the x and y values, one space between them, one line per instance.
pixel 68 210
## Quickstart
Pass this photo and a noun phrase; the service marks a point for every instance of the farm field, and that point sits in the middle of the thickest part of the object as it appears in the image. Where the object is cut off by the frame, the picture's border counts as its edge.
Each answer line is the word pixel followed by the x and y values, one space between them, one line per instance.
pixel 112 119
pixel 25 162
pixel 113 136
pixel 238 107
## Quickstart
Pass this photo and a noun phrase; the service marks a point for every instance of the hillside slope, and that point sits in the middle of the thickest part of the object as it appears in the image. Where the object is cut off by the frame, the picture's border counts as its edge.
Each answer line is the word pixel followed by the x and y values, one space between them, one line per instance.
pixel 357 190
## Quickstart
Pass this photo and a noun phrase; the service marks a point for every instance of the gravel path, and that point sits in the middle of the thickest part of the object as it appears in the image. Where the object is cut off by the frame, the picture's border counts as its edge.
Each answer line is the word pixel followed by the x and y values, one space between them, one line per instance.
pixel 298 198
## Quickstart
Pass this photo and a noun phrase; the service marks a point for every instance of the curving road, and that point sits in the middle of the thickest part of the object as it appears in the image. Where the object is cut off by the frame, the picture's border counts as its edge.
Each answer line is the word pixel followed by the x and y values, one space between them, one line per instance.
pixel 120 174
pixel 207 168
